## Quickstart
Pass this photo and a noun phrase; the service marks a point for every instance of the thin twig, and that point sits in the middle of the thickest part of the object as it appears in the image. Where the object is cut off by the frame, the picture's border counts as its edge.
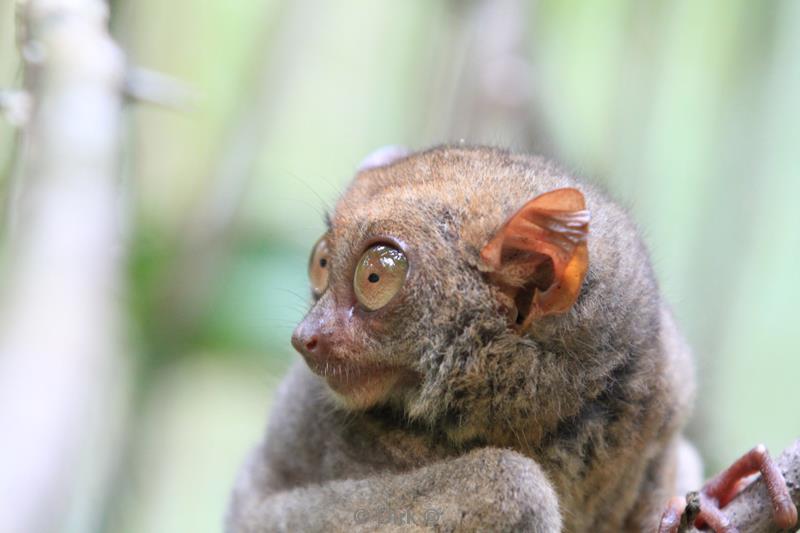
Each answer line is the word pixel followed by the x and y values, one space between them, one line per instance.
pixel 151 87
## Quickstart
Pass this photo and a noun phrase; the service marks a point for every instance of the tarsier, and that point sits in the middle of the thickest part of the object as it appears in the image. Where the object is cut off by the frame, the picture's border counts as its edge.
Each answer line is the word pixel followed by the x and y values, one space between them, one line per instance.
pixel 487 350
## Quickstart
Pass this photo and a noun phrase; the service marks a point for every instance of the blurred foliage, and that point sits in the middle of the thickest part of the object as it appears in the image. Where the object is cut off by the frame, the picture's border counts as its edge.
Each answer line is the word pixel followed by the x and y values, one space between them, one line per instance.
pixel 686 111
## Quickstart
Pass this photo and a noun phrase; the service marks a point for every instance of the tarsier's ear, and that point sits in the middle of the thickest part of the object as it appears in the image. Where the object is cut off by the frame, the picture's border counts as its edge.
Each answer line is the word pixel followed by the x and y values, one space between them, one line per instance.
pixel 539 257
pixel 383 156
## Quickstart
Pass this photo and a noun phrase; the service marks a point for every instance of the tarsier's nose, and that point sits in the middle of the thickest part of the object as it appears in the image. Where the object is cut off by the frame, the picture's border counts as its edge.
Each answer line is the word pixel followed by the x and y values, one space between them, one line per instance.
pixel 309 343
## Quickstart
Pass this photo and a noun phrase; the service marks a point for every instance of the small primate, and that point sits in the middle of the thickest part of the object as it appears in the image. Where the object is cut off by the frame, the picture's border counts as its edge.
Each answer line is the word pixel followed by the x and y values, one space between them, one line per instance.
pixel 487 350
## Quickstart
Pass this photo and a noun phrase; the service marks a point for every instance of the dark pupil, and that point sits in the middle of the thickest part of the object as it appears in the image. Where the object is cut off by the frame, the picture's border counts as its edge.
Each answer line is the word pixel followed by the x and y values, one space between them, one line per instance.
pixel 373 278
pixel 323 262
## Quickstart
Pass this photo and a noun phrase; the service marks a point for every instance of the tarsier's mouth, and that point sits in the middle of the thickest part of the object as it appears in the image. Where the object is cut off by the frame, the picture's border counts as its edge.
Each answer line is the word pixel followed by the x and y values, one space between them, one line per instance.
pixel 345 377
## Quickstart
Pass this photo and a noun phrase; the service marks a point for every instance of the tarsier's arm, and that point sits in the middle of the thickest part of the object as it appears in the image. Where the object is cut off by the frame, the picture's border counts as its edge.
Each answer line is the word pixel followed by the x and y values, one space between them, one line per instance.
pixel 485 489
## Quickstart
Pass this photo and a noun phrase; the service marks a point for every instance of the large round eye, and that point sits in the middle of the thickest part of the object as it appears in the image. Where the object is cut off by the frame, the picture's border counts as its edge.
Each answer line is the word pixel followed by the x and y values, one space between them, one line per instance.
pixel 319 266
pixel 379 276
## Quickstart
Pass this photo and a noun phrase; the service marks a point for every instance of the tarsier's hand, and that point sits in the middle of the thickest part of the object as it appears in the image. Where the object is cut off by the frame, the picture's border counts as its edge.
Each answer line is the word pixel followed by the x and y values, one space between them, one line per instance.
pixel 723 488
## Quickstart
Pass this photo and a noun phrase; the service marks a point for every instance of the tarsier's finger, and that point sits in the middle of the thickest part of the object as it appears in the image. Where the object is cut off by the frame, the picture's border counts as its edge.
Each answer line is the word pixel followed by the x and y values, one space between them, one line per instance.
pixel 726 485
pixel 710 514
pixel 671 518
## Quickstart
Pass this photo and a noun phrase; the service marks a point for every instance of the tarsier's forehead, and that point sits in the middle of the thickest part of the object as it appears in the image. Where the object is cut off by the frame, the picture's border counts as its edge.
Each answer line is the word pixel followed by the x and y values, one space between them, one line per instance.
pixel 438 183
pixel 393 217
pixel 460 193
pixel 415 213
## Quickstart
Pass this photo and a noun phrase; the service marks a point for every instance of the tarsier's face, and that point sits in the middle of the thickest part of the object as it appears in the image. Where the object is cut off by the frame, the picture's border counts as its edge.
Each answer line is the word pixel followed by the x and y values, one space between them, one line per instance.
pixel 334 337
pixel 402 271
pixel 375 277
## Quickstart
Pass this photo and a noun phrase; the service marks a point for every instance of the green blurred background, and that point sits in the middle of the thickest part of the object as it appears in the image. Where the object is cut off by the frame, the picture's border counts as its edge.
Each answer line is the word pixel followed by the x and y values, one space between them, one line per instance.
pixel 687 111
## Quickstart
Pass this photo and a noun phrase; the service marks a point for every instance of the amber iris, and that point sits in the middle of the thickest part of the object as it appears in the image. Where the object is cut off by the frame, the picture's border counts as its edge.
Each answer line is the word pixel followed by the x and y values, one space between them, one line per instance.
pixel 319 265
pixel 380 275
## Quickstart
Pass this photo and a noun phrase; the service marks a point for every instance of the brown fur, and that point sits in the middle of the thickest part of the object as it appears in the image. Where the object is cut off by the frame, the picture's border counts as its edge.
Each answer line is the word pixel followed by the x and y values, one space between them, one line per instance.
pixel 587 404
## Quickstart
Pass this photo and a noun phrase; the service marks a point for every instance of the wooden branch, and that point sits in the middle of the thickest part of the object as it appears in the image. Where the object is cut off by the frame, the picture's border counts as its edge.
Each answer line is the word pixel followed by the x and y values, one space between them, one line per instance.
pixel 751 511
pixel 62 380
